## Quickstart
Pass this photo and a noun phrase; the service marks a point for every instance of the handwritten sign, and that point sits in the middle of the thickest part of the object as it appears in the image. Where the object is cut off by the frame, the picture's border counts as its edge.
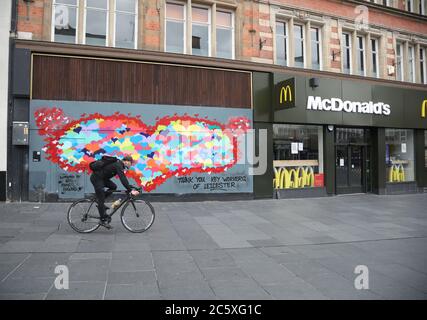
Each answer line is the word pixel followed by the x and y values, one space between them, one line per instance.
pixel 70 185
pixel 223 183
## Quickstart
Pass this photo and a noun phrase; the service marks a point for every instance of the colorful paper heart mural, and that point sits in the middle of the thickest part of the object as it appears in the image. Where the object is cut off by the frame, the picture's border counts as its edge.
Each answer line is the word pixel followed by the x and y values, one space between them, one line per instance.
pixel 175 146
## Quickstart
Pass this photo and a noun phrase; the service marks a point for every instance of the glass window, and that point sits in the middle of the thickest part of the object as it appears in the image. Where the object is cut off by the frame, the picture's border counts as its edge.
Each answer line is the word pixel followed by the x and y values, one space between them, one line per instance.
pixel 346 50
pixel 409 5
pixel 399 61
pixel 352 136
pixel 423 70
pixel 96 22
pixel 411 63
pixel 422 4
pixel 399 155
pixel 315 48
pixel 65 17
pixel 425 148
pixel 360 55
pixel 299 45
pixel 298 156
pixel 374 62
pixel 281 43
pixel 224 35
pixel 175 28
pixel 125 28
pixel 200 31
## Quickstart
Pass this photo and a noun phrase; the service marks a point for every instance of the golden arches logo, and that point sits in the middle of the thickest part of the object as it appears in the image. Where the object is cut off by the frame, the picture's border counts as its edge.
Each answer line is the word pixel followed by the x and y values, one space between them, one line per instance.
pixel 284 94
pixel 423 109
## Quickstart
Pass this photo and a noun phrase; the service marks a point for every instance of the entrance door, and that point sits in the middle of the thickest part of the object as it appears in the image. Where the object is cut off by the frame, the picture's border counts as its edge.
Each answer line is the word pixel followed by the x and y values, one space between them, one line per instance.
pixel 350 168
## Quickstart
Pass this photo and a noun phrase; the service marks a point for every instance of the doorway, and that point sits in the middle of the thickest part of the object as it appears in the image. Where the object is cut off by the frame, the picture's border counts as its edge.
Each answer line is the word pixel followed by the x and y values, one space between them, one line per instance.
pixel 352 161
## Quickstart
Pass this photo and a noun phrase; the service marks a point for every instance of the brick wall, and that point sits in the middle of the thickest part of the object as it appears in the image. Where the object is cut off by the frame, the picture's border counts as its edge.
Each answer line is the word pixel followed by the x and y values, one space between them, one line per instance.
pixel 30 18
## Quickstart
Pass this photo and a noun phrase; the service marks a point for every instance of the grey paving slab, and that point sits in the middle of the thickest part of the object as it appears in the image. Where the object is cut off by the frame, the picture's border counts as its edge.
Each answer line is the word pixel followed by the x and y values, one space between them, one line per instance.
pixel 89 290
pixel 239 290
pixel 195 290
pixel 28 285
pixel 128 278
pixel 132 292
pixel 264 249
pixel 20 296
pixel 212 258
pixel 131 261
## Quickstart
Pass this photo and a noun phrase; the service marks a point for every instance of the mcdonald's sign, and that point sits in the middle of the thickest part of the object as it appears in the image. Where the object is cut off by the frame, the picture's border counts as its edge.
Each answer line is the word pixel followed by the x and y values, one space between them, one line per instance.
pixel 285 94
pixel 423 109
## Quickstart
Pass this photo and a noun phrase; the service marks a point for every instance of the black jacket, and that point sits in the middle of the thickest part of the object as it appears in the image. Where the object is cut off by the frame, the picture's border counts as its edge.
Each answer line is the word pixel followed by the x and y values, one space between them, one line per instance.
pixel 113 169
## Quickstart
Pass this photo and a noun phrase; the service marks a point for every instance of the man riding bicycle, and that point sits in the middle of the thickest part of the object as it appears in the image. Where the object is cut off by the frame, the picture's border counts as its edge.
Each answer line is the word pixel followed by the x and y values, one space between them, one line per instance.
pixel 102 179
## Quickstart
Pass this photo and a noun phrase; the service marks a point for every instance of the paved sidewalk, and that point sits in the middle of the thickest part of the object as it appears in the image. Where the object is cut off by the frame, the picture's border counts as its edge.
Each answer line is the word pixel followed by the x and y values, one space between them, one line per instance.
pixel 263 249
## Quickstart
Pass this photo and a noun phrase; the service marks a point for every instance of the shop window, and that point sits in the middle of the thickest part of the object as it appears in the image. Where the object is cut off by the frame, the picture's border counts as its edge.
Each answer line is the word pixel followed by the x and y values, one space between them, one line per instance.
pixel 282 43
pixel 65 16
pixel 400 155
pixel 298 156
pixel 126 24
pixel 315 49
pixel 175 28
pixel 224 34
pixel 96 22
pixel 425 148
pixel 299 46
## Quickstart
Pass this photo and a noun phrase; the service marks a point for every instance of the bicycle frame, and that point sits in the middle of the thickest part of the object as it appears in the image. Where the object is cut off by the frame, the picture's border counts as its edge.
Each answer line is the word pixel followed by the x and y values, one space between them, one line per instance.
pixel 128 197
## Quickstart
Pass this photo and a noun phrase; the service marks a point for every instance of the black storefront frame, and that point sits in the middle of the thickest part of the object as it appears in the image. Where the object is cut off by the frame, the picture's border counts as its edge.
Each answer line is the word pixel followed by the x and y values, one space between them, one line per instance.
pixel 366 165
pixel 404 104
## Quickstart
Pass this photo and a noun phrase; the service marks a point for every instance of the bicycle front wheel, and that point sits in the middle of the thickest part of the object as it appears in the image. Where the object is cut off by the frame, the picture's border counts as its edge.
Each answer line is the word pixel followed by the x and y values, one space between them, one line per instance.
pixel 137 215
pixel 83 216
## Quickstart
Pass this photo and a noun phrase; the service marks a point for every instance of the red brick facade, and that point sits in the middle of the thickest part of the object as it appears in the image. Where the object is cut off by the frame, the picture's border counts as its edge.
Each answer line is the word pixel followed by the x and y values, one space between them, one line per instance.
pixel 254 25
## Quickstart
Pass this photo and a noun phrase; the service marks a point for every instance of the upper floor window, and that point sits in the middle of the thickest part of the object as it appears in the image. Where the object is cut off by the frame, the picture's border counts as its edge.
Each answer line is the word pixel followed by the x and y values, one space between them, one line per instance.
pixel 299 46
pixel 126 24
pixel 96 22
pixel 422 6
pixel 316 55
pixel 361 55
pixel 201 40
pixel 175 28
pixel 224 34
pixel 65 17
pixel 281 43
pixel 374 57
pixel 399 61
pixel 346 53
pixel 423 74
pixel 411 63
pixel 410 5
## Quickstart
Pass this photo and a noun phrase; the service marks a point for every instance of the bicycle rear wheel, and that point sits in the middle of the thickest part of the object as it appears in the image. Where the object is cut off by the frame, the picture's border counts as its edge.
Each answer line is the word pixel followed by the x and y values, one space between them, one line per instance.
pixel 83 216
pixel 137 215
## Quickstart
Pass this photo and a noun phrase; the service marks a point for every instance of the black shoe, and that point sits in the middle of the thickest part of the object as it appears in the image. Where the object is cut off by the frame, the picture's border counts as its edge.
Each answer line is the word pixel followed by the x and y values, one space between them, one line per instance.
pixel 106 223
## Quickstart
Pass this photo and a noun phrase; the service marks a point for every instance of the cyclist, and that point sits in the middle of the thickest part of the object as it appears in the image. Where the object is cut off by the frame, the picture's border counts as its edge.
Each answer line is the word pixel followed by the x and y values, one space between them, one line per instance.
pixel 102 179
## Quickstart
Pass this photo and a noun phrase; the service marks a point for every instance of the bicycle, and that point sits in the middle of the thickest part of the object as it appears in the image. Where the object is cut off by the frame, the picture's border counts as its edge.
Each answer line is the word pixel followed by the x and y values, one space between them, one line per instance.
pixel 83 215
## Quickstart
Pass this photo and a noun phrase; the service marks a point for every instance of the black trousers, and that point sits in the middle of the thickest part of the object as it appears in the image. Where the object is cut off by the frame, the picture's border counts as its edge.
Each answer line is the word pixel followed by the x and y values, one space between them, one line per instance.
pixel 99 184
